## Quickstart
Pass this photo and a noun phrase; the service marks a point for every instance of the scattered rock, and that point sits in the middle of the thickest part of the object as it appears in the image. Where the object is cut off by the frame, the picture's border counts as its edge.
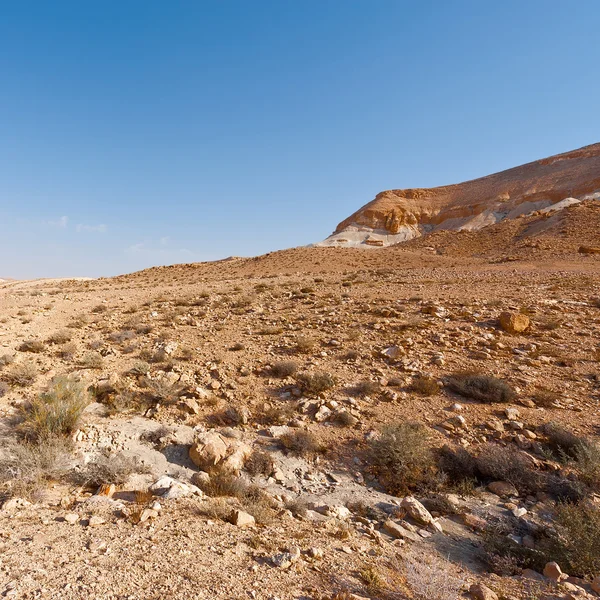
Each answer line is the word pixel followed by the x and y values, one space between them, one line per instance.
pixel 479 591
pixel 514 322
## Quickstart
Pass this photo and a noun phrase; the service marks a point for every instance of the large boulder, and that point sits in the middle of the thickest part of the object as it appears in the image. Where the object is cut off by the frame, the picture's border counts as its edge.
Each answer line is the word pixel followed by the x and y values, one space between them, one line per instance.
pixel 514 322
pixel 213 451
pixel 416 510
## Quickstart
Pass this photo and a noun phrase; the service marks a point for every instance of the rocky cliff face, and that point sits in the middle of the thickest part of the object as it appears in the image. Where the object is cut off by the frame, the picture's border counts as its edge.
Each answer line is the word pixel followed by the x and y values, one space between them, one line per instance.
pixel 545 185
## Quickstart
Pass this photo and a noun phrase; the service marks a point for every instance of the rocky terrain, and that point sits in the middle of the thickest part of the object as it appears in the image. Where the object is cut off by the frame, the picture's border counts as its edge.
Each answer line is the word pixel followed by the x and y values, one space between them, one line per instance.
pixel 544 186
pixel 419 421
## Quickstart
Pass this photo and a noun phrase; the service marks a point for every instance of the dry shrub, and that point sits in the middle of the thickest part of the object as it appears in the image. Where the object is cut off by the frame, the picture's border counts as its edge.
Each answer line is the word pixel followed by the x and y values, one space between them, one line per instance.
pixel 284 368
pixel 482 388
pixel 403 459
pixel 545 397
pixel 6 359
pixel 365 388
pixel 429 579
pixel 424 386
pixel 562 443
pixel 301 443
pixel 279 414
pixel 78 322
pixel 109 468
pixel 315 383
pixel 34 346
pixel 91 360
pixel 21 374
pixel 576 546
pixel 252 498
pixel 259 463
pixel 162 391
pixel 55 412
pixel 372 577
pixel 100 308
pixel 120 337
pixel 499 463
pixel 305 345
pixel 59 337
pixel 26 468
pixel 4 388
pixel 67 351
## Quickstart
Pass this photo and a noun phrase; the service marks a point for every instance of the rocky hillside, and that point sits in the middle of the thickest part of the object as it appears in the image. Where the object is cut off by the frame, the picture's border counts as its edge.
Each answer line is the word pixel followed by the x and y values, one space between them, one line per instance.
pixel 546 185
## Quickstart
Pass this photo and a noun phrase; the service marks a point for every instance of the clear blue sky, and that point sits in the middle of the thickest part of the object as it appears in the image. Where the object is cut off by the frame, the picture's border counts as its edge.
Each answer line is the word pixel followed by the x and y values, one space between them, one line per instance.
pixel 146 132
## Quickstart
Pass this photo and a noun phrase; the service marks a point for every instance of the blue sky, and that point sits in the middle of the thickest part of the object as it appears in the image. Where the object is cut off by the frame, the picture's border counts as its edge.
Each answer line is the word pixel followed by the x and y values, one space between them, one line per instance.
pixel 135 133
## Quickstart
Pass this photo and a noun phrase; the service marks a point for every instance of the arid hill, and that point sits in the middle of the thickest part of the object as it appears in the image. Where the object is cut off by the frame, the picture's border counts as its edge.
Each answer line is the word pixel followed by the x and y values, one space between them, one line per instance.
pixel 549 185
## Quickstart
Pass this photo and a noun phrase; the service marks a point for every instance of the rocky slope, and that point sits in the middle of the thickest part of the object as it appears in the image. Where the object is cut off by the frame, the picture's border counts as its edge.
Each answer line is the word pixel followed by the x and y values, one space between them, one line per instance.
pixel 545 185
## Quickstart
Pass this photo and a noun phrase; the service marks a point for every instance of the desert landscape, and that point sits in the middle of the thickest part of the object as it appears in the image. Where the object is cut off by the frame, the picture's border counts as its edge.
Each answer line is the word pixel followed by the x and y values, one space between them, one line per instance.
pixel 410 409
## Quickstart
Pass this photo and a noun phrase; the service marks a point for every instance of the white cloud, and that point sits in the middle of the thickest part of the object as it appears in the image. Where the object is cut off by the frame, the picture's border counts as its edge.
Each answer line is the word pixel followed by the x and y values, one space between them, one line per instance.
pixel 164 240
pixel 91 228
pixel 61 222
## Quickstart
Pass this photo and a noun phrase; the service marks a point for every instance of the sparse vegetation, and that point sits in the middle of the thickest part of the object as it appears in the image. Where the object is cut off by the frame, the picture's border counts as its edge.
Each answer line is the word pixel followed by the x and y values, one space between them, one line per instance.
pixel 403 459
pixel 315 383
pixel 301 443
pixel 424 386
pixel 55 412
pixel 284 368
pixel 479 387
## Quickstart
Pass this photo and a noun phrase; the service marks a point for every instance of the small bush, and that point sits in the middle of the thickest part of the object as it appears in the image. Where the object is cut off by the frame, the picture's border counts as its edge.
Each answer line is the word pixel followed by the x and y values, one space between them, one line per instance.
pixel 300 443
pixel 545 397
pixel 6 359
pixel 109 468
pixel 305 345
pixel 57 411
pixel 4 388
pixel 92 360
pixel 120 337
pixel 562 443
pixel 21 374
pixel 315 383
pixel 482 388
pixel 26 468
pixel 163 391
pixel 284 368
pixel 365 388
pixel 458 464
pixel 403 459
pixel 34 346
pixel 67 351
pixel 60 337
pixel 498 463
pixel 252 498
pixel 259 463
pixel 100 308
pixel 576 547
pixel 237 347
pixel 424 386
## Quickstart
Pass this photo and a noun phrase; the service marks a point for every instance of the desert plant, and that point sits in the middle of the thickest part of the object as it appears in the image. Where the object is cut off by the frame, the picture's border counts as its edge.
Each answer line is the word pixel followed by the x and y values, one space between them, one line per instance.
pixel 305 345
pixel 25 467
pixel 109 467
pixel 284 368
pixel 499 463
pixel 300 443
pixel 430 579
pixel 91 360
pixel 562 443
pixel 34 346
pixel 424 386
pixel 259 463
pixel 20 374
pixel 403 459
pixel 482 388
pixel 315 383
pixel 59 337
pixel 576 544
pixel 55 412
pixel 6 359
pixel 365 388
